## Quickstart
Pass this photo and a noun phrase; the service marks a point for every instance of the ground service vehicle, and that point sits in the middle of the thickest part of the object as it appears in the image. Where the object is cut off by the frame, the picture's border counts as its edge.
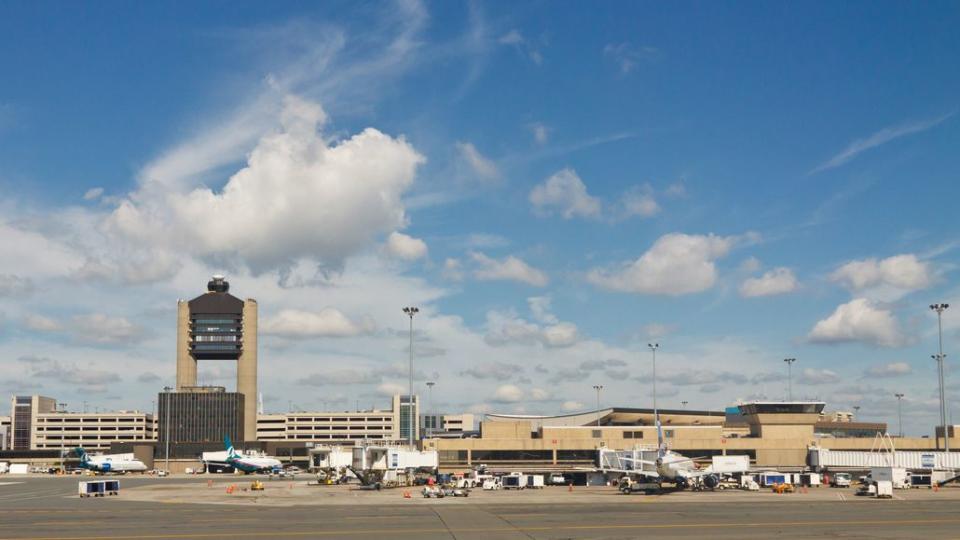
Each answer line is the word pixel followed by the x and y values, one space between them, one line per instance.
pixel 841 480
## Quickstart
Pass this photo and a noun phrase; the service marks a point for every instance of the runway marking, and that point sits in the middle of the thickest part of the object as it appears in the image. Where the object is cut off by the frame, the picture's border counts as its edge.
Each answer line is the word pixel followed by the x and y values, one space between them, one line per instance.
pixel 553 527
pixel 842 498
pixel 9 483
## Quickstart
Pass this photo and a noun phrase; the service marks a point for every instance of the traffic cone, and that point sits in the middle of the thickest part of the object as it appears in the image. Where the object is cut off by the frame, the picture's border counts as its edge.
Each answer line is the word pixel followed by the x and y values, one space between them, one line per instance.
pixel 570 487
pixel 406 495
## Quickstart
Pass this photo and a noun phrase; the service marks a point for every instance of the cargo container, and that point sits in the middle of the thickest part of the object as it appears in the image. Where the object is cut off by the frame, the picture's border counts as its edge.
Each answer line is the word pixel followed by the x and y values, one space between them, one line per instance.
pixel 535 481
pixel 98 488
pixel 19 468
pixel 514 481
pixel 772 478
pixel 810 479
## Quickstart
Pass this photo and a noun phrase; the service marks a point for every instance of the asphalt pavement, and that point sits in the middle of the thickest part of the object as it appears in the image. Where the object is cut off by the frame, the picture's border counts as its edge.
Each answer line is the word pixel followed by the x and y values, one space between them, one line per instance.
pixel 49 508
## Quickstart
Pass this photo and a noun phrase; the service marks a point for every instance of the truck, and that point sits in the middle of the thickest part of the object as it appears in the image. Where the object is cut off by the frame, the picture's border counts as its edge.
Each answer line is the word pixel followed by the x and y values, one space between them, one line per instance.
pixel 897 476
pixel 841 480
pixel 4 467
pixel 535 481
pixel 642 484
pixel 492 483
pixel 515 481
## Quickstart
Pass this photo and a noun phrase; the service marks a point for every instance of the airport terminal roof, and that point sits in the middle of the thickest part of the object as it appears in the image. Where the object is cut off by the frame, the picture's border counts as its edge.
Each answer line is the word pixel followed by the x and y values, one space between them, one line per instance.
pixel 615 416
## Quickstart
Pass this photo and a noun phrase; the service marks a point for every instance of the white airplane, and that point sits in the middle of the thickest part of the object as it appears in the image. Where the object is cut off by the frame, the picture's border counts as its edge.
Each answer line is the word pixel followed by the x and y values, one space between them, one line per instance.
pixel 668 465
pixel 115 463
pixel 249 464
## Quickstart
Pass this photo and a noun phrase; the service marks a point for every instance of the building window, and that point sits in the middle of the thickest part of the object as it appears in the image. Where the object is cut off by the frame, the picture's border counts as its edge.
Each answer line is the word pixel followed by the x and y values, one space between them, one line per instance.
pixel 668 433
pixel 596 434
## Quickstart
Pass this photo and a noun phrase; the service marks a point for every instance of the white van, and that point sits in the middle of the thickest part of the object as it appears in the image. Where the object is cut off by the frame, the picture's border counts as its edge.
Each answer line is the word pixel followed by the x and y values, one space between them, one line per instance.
pixel 493 483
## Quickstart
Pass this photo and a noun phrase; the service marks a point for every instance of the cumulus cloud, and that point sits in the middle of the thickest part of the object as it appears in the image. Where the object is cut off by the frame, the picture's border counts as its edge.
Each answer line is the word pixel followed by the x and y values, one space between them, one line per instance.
pixel 93 194
pixel 407 248
pixel 55 370
pixel 452 270
pixel 676 264
pixel 342 376
pixel 297 197
pixel 507 393
pixel 571 406
pixel 509 269
pixel 391 389
pixel 888 278
pixel 777 281
pixel 818 376
pixel 656 330
pixel 480 165
pixel 148 377
pixel 638 201
pixel 39 323
pixel 97 328
pixel 500 371
pixel 566 194
pixel 688 378
pixel 859 320
pixel 892 369
pixel 328 322
pixel 15 286
pixel 506 328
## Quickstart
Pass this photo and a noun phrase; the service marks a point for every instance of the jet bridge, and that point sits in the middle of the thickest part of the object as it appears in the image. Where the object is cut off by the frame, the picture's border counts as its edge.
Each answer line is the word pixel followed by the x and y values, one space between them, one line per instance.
pixel 640 459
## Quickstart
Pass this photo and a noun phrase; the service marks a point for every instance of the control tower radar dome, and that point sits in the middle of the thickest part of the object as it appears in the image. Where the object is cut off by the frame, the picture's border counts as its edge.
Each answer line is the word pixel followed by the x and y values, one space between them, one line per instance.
pixel 218 284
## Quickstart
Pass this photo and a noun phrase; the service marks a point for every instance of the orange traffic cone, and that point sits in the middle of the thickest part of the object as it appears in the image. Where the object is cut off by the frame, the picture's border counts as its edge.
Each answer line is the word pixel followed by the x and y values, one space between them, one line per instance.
pixel 570 487
pixel 406 495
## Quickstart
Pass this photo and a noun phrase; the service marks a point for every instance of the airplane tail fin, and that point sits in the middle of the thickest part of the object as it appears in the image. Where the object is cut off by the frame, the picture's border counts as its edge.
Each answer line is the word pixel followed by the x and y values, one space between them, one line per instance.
pixel 661 443
pixel 84 458
pixel 229 446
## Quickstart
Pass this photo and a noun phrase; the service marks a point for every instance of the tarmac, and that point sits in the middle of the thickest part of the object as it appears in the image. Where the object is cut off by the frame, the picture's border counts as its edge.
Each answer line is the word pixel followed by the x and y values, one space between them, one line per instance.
pixel 200 507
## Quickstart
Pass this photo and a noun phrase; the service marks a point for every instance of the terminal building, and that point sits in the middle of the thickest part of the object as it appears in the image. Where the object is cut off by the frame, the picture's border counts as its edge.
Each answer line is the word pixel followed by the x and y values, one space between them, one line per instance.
pixel 772 434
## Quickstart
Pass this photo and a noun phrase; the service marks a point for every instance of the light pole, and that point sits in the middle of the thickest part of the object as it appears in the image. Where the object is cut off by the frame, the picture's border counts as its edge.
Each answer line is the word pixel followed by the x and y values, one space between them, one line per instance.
pixel 653 349
pixel 166 391
pixel 684 404
pixel 430 406
pixel 63 454
pixel 790 362
pixel 900 412
pixel 411 311
pixel 598 388
pixel 940 357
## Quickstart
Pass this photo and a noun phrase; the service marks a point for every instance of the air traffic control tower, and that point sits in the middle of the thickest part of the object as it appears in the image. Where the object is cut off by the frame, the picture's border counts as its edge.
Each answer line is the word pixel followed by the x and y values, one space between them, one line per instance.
pixel 220 326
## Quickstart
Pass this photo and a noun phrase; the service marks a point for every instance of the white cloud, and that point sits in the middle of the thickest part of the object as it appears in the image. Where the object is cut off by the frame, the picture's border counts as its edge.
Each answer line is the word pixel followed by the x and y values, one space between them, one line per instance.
pixel 507 393
pixel 506 328
pixel 676 264
pixel 777 281
pixel 500 371
pixel 639 201
pixel 883 136
pixel 328 322
pixel 39 323
pixel 481 166
pixel 750 265
pixel 565 193
pixel 513 37
pixel 392 389
pixel 819 376
pixel 93 194
pixel 540 308
pixel 98 328
pixel 859 320
pixel 539 394
pixel 508 269
pixel 405 247
pixel 892 369
pixel 452 270
pixel 571 406
pixel 15 286
pixel 656 330
pixel 560 335
pixel 628 56
pixel 540 132
pixel 298 196
pixel 886 279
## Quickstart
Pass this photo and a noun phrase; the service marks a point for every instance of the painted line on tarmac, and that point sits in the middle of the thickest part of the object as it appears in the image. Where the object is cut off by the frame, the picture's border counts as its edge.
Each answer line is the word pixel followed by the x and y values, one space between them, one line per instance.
pixel 9 483
pixel 553 527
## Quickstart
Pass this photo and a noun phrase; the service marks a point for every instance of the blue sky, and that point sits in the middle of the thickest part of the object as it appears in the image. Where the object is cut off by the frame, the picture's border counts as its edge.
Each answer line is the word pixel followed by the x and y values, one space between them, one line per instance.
pixel 555 184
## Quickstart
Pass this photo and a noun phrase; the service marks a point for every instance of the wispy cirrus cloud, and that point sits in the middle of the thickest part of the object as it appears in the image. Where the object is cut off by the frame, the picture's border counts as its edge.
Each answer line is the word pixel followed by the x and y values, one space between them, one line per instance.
pixel 883 136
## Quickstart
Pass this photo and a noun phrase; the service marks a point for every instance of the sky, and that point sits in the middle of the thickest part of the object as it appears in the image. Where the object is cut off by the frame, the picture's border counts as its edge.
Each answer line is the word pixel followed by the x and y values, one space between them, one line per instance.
pixel 554 184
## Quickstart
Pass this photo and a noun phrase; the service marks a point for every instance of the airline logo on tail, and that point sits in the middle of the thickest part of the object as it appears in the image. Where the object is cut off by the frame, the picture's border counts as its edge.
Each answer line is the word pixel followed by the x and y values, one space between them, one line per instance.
pixel 84 458
pixel 231 453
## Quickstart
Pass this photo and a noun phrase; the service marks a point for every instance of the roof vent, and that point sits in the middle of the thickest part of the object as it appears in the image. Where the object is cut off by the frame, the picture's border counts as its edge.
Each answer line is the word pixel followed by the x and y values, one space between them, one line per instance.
pixel 218 284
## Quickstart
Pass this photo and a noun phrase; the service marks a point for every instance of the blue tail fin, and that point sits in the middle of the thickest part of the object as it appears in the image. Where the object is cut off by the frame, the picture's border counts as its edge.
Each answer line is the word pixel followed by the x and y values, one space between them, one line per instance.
pixel 229 446
pixel 84 459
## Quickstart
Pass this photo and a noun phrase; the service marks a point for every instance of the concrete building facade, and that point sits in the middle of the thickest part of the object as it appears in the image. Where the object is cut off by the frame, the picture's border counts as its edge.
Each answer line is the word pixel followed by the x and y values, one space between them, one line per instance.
pixel 218 326
pixel 4 433
pixel 201 414
pixel 95 432
pixel 344 428
pixel 23 418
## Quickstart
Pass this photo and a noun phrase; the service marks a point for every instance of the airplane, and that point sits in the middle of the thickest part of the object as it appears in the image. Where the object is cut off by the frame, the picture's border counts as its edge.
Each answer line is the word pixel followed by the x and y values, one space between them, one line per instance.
pixel 116 463
pixel 669 465
pixel 249 464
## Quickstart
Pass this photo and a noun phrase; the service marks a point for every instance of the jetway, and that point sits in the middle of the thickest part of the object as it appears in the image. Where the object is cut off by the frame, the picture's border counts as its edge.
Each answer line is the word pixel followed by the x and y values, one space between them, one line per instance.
pixel 823 458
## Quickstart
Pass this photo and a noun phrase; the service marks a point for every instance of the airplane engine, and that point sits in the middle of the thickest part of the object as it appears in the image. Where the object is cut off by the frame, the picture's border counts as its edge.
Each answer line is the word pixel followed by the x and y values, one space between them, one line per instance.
pixel 105 467
pixel 711 481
